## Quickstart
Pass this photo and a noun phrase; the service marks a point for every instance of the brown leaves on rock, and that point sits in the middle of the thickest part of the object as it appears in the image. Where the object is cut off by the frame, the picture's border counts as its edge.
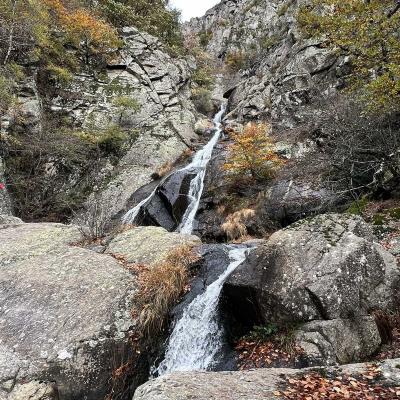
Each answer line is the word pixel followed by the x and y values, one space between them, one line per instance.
pixel 257 354
pixel 314 386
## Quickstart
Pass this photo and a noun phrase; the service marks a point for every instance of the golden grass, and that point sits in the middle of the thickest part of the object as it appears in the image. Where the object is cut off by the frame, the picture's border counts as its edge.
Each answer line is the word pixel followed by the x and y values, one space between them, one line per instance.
pixel 165 169
pixel 162 285
pixel 235 224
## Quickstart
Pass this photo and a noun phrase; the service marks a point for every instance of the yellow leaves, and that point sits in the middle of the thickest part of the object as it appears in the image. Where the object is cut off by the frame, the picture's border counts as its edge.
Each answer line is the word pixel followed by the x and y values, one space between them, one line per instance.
pixel 364 31
pixel 80 25
pixel 252 153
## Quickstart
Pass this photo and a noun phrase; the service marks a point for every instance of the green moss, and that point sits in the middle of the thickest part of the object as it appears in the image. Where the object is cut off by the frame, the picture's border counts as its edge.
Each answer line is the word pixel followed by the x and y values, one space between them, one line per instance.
pixel 358 207
pixel 378 219
pixel 395 213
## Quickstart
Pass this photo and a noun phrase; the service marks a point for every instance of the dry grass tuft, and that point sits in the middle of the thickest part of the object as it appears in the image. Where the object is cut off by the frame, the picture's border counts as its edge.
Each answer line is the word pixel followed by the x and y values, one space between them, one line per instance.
pixel 164 170
pixel 235 224
pixel 161 287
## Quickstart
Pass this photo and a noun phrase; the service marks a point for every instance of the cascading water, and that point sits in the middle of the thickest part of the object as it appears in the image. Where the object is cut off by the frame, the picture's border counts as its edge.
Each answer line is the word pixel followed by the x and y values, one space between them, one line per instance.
pixel 198 167
pixel 198 335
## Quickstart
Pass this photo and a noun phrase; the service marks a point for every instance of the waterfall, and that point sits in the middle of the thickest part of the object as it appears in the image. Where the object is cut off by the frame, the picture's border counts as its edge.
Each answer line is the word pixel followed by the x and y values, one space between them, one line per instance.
pixel 198 335
pixel 198 167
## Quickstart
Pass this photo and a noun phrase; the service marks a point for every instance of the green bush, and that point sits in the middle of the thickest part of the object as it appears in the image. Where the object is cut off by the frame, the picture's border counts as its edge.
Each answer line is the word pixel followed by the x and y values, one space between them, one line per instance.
pixel 202 100
pixel 205 38
pixel 263 333
pixel 113 141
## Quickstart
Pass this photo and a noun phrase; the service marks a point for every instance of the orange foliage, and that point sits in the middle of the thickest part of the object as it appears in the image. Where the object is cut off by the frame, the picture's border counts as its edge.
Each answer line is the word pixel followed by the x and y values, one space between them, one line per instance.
pixel 252 152
pixel 82 26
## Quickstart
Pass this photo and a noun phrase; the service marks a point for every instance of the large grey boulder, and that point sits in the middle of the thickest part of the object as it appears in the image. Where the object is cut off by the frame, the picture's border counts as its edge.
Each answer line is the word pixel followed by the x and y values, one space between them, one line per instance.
pixel 64 315
pixel 259 384
pixel 339 341
pixel 325 269
pixel 9 220
pixel 148 244
pixel 286 202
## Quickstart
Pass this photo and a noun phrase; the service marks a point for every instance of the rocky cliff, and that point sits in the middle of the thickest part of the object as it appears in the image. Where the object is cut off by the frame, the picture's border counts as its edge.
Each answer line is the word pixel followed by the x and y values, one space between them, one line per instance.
pixel 160 125
pixel 283 75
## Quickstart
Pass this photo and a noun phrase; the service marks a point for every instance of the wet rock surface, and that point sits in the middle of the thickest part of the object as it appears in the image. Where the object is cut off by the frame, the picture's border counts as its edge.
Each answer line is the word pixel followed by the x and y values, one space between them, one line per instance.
pixel 260 384
pixel 169 203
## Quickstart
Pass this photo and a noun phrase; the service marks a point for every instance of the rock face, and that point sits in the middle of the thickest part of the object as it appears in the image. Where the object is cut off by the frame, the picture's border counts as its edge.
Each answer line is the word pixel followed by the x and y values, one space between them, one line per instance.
pixel 169 203
pixel 148 244
pixel 162 129
pixel 324 269
pixel 287 202
pixel 260 384
pixel 284 76
pixel 64 315
pixel 165 121
pixel 65 311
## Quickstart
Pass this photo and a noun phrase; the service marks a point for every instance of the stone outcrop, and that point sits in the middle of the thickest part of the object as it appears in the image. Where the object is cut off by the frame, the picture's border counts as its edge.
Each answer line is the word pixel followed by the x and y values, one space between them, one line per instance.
pixel 284 75
pixel 162 129
pixel 260 384
pixel 285 202
pixel 326 269
pixel 148 244
pixel 64 314
pixel 65 311
pixel 165 122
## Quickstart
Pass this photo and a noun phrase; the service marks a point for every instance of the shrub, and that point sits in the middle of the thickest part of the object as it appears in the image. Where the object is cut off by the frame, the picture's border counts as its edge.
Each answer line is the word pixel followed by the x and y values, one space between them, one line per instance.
pixel 60 74
pixel 6 96
pixel 162 285
pixel 235 224
pixel 236 60
pixel 202 100
pixel 367 31
pixel 252 153
pixel 93 221
pixel 205 38
pixel 126 104
pixel 263 333
pixel 361 150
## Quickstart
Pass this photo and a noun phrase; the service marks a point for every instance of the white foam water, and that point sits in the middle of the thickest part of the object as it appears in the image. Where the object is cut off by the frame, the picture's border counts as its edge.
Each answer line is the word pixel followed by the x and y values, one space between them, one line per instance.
pixel 198 336
pixel 198 167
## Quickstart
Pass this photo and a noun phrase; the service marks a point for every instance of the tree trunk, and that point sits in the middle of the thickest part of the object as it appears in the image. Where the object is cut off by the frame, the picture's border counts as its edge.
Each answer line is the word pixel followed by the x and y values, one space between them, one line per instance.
pixel 11 33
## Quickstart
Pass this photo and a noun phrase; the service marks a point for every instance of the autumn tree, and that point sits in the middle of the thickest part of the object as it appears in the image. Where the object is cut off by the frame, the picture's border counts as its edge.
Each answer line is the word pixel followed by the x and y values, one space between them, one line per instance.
pixel 368 32
pixel 82 29
pixel 252 153
pixel 152 16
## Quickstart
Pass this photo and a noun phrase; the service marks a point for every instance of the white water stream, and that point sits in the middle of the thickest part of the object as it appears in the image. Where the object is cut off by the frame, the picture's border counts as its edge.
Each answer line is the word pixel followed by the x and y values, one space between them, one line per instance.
pixel 198 336
pixel 198 166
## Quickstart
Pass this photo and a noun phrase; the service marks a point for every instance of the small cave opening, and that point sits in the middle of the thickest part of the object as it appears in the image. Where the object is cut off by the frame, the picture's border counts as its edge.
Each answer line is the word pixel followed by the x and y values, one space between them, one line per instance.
pixel 240 311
